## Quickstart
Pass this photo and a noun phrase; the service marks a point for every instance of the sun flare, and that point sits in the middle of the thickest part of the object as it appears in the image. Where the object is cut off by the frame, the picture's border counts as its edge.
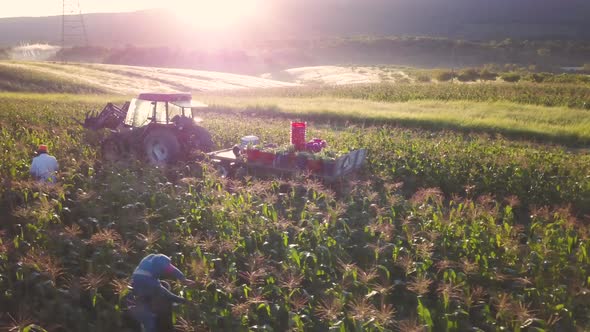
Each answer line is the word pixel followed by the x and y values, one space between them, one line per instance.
pixel 216 14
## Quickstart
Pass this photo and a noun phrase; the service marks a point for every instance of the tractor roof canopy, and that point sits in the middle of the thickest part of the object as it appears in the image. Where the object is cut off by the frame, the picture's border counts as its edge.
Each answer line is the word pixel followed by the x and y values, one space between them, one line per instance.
pixel 165 97
pixel 179 99
pixel 189 104
pixel 160 108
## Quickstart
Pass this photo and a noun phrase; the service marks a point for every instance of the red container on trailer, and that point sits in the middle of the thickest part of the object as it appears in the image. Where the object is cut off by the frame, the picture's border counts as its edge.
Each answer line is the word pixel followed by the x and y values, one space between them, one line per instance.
pixel 298 134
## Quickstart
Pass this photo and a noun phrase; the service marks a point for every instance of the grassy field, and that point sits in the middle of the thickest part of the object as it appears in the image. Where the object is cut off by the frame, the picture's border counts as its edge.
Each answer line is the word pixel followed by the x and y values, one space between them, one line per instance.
pixel 542 94
pixel 548 112
pixel 570 90
pixel 24 79
pixel 556 124
pixel 561 125
pixel 440 231
pixel 48 77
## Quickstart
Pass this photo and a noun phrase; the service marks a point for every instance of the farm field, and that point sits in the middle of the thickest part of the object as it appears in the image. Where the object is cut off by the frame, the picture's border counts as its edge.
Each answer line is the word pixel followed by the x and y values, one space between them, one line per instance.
pixel 557 124
pixel 440 231
pixel 114 79
pixel 401 84
pixel 339 75
pixel 553 112
pixel 471 213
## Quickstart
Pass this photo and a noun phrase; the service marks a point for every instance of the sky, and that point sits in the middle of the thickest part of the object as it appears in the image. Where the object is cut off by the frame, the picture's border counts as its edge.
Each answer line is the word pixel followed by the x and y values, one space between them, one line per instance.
pixel 54 7
pixel 18 8
pixel 212 14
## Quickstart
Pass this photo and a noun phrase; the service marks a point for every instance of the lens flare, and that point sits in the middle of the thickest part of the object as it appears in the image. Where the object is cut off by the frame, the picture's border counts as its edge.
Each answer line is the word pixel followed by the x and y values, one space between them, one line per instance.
pixel 217 14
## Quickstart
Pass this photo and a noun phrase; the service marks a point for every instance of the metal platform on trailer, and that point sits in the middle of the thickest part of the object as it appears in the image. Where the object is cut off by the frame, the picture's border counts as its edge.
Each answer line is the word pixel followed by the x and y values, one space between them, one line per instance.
pixel 342 166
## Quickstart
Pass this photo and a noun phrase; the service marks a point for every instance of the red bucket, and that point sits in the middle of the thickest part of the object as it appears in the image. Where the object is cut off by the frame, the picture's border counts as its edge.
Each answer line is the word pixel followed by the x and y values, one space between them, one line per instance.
pixel 298 134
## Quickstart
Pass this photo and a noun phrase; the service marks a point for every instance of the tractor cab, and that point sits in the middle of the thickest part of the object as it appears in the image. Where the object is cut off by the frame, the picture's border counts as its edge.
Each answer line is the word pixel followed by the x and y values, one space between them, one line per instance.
pixel 164 109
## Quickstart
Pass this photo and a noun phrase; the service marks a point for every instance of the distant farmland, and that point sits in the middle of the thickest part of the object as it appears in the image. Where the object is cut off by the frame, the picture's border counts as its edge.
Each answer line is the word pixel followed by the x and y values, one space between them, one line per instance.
pixel 548 108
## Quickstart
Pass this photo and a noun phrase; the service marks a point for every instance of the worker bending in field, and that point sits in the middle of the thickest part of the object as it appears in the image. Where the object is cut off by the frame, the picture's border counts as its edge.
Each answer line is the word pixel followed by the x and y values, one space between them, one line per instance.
pixel 44 167
pixel 151 300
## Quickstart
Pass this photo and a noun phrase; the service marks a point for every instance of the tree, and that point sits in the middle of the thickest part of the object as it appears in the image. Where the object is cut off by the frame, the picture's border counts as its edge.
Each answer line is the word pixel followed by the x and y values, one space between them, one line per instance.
pixel 423 78
pixel 4 54
pixel 468 75
pixel 444 76
pixel 544 52
pixel 487 75
pixel 538 77
pixel 510 77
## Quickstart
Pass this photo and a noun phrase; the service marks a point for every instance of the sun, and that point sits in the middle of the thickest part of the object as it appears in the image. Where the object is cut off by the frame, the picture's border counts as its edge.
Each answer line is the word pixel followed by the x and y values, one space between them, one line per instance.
pixel 216 14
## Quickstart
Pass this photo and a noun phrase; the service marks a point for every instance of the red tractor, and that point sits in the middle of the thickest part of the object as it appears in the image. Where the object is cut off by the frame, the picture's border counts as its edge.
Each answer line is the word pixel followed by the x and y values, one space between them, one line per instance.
pixel 161 127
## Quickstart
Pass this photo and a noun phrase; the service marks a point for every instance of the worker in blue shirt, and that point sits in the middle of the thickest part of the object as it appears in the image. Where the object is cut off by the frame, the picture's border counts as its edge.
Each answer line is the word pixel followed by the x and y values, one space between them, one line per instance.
pixel 44 167
pixel 150 297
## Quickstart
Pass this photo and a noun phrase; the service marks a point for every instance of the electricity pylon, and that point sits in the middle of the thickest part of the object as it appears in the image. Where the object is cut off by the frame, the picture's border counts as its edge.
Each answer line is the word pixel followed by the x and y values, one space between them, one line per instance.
pixel 73 29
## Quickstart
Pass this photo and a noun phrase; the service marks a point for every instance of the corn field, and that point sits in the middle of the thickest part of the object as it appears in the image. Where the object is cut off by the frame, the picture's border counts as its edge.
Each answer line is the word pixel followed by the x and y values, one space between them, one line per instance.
pixel 440 231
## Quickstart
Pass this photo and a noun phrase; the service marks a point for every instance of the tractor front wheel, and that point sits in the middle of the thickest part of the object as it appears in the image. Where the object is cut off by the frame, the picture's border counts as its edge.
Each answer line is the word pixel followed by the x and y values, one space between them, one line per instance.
pixel 110 150
pixel 161 147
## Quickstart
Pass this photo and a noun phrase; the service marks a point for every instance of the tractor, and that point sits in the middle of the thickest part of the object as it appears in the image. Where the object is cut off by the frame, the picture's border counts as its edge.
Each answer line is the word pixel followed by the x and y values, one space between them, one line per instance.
pixel 160 127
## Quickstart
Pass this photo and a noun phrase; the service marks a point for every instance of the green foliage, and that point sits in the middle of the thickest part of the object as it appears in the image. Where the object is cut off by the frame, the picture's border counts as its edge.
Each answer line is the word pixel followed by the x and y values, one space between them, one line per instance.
pixel 568 79
pixel 537 77
pixel 423 78
pixel 83 54
pixel 444 76
pixel 468 75
pixel 487 75
pixel 510 77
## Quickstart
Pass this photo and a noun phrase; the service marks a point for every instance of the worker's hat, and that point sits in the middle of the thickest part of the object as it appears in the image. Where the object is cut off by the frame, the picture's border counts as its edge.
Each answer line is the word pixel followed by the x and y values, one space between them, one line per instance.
pixel 42 148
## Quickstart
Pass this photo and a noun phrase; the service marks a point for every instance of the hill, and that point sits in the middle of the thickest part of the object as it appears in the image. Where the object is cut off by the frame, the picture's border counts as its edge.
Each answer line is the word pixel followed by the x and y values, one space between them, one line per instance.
pixel 464 19
pixel 99 78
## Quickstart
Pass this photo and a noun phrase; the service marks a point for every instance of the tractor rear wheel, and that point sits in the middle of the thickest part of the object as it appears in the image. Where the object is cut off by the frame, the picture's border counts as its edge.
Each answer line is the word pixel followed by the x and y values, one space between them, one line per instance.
pixel 201 139
pixel 161 146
